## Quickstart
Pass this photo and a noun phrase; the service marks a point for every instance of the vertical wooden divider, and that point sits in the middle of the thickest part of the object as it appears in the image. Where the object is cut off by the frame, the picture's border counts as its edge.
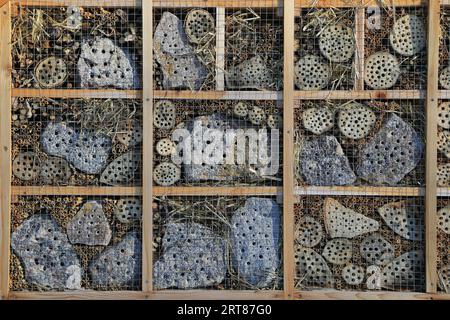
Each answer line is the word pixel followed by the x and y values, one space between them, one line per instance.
pixel 288 149
pixel 220 48
pixel 147 123
pixel 431 153
pixel 5 145
pixel 360 21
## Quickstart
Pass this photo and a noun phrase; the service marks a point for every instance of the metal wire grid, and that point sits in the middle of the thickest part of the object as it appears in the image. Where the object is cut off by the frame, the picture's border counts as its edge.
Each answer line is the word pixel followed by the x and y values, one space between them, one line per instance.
pixel 199 243
pixel 73 266
pixel 114 126
pixel 73 41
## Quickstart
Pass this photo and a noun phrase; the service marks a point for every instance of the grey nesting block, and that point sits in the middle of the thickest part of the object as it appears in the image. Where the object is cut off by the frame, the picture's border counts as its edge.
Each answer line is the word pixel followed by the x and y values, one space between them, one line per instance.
pixel 119 265
pixel 323 163
pixel 255 238
pixel 393 153
pixel 49 259
pixel 194 257
pixel 57 139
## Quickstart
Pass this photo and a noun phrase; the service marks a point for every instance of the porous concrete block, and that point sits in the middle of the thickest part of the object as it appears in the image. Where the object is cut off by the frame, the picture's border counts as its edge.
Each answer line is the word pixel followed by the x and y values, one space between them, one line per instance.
pixel 312 269
pixel 255 239
pixel 323 163
pixel 193 257
pixel 49 259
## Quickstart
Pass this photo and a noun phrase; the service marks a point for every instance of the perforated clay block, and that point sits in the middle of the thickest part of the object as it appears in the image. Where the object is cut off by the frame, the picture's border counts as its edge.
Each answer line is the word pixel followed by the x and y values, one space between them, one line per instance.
pixel 404 219
pixel 181 67
pixel 318 120
pixel 103 64
pixel 128 210
pixel 408 36
pixel 443 175
pixel 129 133
pixel 255 240
pixel 376 250
pixel 250 74
pixel 257 116
pixel 164 115
pixel 199 25
pixel 338 251
pixel 312 268
pixel 444 219
pixel 240 110
pixel 49 260
pixel 89 153
pixel 166 174
pixel 337 43
pixel 353 274
pixel 311 73
pixel 444 278
pixel 57 138
pixel 26 166
pixel 355 121
pixel 74 17
pixel 406 272
pixel 165 147
pixel 122 170
pixel 308 232
pixel 89 226
pixel 444 115
pixel 444 78
pixel 194 257
pixel 51 72
pixel 391 154
pixel 55 170
pixel 341 222
pixel 323 163
pixel 444 142
pixel 119 265
pixel 275 121
pixel 382 71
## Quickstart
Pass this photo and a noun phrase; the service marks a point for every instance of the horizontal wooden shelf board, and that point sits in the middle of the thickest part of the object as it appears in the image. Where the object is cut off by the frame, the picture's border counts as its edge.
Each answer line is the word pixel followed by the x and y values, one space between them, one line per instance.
pixel 443 192
pixel 360 191
pixel 375 295
pixel 75 191
pixel 218 95
pixel 221 3
pixel 217 191
pixel 364 95
pixel 155 295
pixel 77 93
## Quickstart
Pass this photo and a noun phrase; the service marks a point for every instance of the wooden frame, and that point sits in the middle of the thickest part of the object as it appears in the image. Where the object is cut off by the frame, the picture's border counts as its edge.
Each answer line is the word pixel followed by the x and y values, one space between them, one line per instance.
pixel 288 193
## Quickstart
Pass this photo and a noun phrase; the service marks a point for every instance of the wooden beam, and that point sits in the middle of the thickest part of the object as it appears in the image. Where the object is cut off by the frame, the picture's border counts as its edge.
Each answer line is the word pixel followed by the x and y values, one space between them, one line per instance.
pixel 77 93
pixel 362 95
pixel 360 191
pixel 147 170
pixel 431 148
pixel 5 146
pixel 360 22
pixel 219 95
pixel 220 48
pixel 288 147
pixel 76 191
pixel 217 191
pixel 83 3
pixel 372 295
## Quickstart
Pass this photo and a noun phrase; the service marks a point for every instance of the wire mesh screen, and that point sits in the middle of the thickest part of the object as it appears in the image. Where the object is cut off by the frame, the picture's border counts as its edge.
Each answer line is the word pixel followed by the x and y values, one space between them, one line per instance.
pixel 64 243
pixel 72 150
pixel 76 46
pixel 228 140
pixel 360 164
pixel 217 243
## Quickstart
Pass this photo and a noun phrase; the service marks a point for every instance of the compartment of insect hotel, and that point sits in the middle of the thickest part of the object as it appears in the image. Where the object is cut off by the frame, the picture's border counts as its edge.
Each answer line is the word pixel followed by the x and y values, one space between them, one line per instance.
pixel 358 243
pixel 76 142
pixel 254 49
pixel 184 47
pixel 360 143
pixel 217 143
pixel 395 43
pixel 217 243
pixel 443 245
pixel 325 49
pixel 67 243
pixel 76 47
